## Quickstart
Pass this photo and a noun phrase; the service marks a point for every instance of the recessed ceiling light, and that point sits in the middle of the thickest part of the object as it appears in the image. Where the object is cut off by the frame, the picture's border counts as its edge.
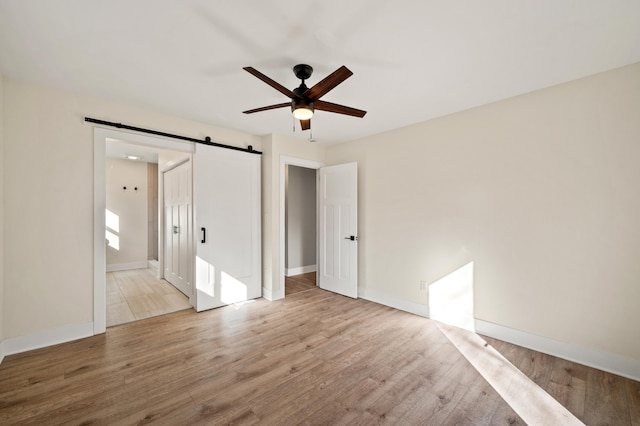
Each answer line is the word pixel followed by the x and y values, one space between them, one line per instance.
pixel 133 157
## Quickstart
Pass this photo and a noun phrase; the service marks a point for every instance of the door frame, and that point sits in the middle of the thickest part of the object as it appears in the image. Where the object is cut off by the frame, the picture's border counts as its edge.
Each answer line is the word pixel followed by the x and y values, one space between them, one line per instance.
pixel 284 162
pixel 100 137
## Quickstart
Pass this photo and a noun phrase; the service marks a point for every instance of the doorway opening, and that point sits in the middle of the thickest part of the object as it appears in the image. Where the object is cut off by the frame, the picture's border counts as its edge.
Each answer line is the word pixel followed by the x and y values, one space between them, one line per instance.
pixel 296 252
pixel 136 286
pixel 300 229
pixel 128 233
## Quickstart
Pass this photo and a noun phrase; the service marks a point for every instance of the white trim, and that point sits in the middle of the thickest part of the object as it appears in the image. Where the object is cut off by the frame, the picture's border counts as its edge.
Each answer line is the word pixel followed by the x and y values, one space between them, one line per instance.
pixel 1 351
pixel 143 264
pixel 611 363
pixel 384 299
pixel 285 161
pixel 99 248
pixel 46 338
pixel 266 293
pixel 290 272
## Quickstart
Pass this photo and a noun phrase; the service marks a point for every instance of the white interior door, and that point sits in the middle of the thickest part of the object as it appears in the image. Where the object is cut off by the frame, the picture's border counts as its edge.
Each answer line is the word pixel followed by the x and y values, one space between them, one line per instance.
pixel 227 224
pixel 177 227
pixel 338 229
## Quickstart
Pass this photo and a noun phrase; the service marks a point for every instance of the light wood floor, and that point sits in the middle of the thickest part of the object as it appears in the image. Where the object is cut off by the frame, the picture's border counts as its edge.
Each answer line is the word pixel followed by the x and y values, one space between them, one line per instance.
pixel 298 283
pixel 312 358
pixel 137 294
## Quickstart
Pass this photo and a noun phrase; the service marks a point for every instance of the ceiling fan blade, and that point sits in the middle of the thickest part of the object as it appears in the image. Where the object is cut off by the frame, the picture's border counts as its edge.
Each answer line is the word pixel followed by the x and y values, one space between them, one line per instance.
pixel 340 109
pixel 305 124
pixel 279 87
pixel 329 82
pixel 266 108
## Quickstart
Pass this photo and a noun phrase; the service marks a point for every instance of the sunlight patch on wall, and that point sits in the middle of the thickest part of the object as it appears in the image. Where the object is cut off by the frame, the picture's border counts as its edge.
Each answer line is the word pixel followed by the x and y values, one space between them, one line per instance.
pixel 112 220
pixel 113 240
pixel 451 298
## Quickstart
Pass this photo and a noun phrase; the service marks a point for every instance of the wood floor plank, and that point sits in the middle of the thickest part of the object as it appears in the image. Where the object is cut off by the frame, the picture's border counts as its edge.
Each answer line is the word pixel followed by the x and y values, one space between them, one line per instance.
pixel 477 406
pixel 505 415
pixel 435 404
pixel 568 385
pixel 298 283
pixel 313 358
pixel 633 395
pixel 606 400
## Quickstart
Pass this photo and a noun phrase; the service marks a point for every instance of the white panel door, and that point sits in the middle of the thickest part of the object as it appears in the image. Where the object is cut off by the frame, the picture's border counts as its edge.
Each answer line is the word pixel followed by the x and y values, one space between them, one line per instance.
pixel 338 229
pixel 227 225
pixel 177 227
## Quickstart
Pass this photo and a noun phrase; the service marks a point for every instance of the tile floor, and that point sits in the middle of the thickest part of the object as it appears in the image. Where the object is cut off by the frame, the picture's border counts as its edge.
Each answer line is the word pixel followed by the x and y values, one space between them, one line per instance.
pixel 137 294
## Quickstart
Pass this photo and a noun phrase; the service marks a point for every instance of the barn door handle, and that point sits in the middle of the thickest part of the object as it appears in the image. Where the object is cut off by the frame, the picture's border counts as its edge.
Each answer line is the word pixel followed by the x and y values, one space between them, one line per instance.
pixel 176 229
pixel 204 235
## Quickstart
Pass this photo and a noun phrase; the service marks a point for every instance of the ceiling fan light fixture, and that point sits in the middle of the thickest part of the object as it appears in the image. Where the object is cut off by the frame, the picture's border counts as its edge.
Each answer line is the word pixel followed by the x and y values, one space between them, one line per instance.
pixel 301 109
pixel 303 113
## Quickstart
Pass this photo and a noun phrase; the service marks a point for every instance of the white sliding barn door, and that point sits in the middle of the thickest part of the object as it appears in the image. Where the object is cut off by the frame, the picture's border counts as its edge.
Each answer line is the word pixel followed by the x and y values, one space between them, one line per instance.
pixel 177 227
pixel 227 226
pixel 338 229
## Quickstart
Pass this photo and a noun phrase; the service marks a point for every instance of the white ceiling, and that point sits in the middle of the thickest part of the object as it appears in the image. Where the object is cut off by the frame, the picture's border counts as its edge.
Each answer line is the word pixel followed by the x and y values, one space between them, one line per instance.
pixel 412 60
pixel 122 150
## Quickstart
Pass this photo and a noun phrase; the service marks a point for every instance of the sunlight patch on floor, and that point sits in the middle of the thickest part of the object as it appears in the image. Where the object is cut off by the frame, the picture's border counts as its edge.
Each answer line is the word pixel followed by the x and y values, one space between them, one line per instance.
pixel 526 398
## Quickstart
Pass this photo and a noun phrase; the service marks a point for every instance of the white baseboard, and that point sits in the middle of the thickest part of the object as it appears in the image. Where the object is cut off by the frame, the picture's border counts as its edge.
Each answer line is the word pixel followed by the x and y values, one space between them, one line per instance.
pixel 126 266
pixel 46 338
pixel 384 299
pixel 611 363
pixel 1 351
pixel 290 272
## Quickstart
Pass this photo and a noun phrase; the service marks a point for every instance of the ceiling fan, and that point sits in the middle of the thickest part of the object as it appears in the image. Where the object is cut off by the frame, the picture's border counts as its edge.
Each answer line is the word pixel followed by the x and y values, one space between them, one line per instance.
pixel 305 100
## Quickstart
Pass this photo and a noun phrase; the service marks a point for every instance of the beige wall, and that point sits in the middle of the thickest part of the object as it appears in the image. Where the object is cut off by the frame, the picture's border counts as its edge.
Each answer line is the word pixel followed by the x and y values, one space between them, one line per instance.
pixel 130 207
pixel 2 169
pixel 48 209
pixel 539 191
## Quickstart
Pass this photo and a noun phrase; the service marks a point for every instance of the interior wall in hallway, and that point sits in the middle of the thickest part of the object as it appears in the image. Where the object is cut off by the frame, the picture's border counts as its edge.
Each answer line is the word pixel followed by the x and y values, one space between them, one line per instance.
pixel 127 214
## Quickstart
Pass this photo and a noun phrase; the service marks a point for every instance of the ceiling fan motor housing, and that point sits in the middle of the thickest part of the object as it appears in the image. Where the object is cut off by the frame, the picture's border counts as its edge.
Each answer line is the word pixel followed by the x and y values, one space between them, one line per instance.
pixel 301 103
pixel 303 71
